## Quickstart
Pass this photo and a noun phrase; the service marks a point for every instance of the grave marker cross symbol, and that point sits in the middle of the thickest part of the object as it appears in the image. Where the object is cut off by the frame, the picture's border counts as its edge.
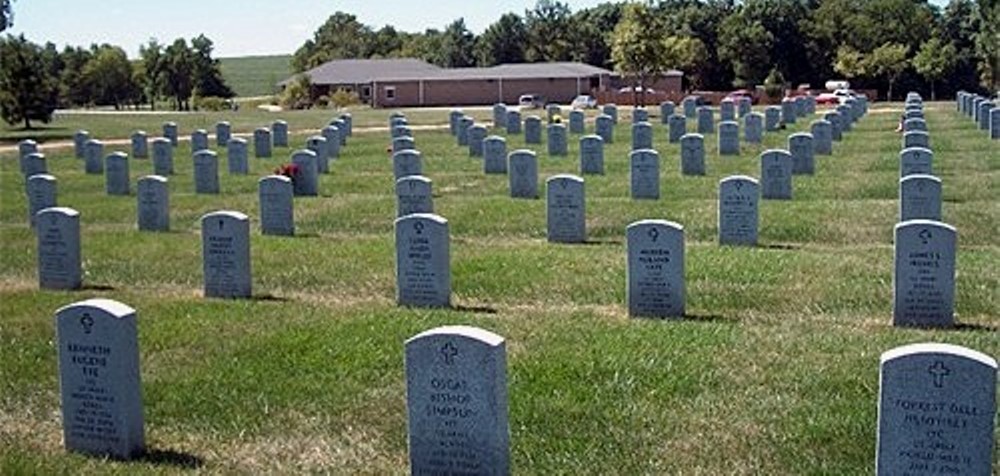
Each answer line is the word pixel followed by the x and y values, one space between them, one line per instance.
pixel 938 371
pixel 449 351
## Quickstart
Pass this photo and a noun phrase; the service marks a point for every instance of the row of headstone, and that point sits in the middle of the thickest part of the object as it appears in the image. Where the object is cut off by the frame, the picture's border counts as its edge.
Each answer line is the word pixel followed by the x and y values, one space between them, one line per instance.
pixel 983 112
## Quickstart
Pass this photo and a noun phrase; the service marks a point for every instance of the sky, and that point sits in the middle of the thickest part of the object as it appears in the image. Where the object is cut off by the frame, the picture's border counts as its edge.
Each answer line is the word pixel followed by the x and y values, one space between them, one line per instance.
pixel 240 27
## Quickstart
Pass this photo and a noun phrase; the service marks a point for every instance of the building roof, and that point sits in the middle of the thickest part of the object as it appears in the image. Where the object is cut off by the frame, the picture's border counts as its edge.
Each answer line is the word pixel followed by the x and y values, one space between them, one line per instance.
pixel 359 71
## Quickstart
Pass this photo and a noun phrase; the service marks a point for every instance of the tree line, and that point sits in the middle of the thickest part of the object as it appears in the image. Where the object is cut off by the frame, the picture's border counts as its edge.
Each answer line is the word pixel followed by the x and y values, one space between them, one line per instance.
pixel 719 44
pixel 37 79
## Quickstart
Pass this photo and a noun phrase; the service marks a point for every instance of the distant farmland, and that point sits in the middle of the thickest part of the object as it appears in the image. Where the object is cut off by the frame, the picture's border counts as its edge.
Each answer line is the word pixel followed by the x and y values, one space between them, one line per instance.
pixel 255 75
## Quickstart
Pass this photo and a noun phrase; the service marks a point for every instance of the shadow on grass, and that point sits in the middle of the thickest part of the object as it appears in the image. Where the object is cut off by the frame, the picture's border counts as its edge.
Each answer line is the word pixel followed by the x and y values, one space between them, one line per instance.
pixel 779 246
pixel 97 287
pixel 713 318
pixel 599 242
pixel 41 134
pixel 960 327
pixel 269 298
pixel 171 458
pixel 475 309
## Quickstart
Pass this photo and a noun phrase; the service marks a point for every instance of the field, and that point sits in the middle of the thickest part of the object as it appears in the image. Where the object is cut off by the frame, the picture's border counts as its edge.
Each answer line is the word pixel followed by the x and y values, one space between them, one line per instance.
pixel 255 75
pixel 773 371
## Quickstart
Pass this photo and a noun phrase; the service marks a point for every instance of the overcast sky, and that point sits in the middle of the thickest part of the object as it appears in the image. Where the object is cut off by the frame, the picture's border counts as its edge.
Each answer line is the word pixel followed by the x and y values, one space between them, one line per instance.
pixel 243 27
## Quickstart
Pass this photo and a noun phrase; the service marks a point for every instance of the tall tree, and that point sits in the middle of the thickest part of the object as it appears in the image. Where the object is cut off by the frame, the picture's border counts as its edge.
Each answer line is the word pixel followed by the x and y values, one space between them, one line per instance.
pixel 988 44
pixel 888 62
pixel 746 45
pixel 27 92
pixel 207 75
pixel 935 59
pixel 178 74
pixel 153 70
pixel 341 36
pixel 74 89
pixel 502 42
pixel 592 32
pixel 457 46
pixel 638 49
pixel 109 77
pixel 550 32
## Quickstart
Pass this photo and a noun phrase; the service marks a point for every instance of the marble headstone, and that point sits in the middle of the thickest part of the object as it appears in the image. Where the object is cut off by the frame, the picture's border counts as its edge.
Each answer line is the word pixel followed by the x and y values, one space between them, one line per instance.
pixel 924 278
pixel 423 262
pixel 706 122
pixel 604 126
pixel 42 193
pixel 262 143
pixel 693 154
pixel 223 133
pixel 318 145
pixel 557 140
pixel 835 131
pixel 206 172
pixel 916 160
pixel 277 205
pixel 58 232
pixel 640 114
pixel 152 204
pixel 140 145
pixel 116 174
pixel 477 134
pixel 822 132
pixel 495 155
pixel 644 174
pixel 522 174
pixel 199 140
pixel 800 145
pixel 532 130
pixel 306 180
pixel 170 132
pixel 690 106
pixel 225 252
pixel 611 110
pixel 729 138
pixel 34 164
pixel 776 175
pixel 464 124
pixel 591 155
pixel 667 109
pixel 414 195
pixel 655 269
pixel 753 128
pixel 279 133
pixel 919 197
pixel 642 136
pixel 94 157
pixel 738 210
pixel 772 118
pixel 80 139
pixel 727 110
pixel 513 122
pixel 916 139
pixel 236 156
pixel 406 162
pixel 577 124
pixel 163 156
pixel 676 127
pixel 565 209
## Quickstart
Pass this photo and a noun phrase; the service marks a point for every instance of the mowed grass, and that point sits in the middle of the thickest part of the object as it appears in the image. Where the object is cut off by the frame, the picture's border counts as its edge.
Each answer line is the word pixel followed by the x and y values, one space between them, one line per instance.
pixel 774 370
pixel 255 75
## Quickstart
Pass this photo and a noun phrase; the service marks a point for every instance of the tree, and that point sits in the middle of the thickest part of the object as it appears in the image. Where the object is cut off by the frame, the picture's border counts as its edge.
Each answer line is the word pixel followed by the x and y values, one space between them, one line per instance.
pixel 457 46
pixel 683 52
pixel 701 20
pixel 341 36
pixel 152 69
pixel 109 78
pixel 988 44
pixel 6 14
pixel 850 62
pixel 178 74
pixel 206 72
pixel 888 61
pixel 73 88
pixel 637 48
pixel 935 60
pixel 550 32
pixel 746 45
pixel 502 42
pixel 27 92
pixel 592 29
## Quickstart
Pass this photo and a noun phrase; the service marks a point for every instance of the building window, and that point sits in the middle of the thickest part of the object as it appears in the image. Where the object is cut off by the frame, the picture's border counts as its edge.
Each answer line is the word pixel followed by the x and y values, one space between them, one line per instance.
pixel 366 92
pixel 390 92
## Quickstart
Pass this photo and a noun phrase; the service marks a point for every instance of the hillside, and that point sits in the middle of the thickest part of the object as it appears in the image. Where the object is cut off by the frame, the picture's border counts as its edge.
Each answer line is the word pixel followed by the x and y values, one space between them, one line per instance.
pixel 255 75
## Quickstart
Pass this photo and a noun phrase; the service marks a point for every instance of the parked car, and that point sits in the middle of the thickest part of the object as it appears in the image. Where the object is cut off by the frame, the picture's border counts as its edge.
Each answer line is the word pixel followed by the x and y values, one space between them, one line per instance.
pixel 530 101
pixel 629 89
pixel 742 93
pixel 836 97
pixel 584 101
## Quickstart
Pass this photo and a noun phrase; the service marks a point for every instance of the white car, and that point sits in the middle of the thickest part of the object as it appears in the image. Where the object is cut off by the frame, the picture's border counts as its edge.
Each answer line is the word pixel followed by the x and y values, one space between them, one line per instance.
pixel 584 101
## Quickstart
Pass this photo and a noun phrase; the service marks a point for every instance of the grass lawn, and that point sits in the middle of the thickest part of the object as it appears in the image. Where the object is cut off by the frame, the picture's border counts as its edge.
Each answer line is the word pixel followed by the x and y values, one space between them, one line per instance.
pixel 255 75
pixel 774 371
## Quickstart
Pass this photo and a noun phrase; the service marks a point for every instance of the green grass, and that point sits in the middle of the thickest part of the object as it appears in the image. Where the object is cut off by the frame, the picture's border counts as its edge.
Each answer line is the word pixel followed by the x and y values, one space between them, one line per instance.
pixel 774 371
pixel 250 76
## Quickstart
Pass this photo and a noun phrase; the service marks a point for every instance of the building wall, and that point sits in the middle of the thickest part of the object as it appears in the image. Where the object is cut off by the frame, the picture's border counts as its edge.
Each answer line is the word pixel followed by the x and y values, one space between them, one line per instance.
pixel 480 91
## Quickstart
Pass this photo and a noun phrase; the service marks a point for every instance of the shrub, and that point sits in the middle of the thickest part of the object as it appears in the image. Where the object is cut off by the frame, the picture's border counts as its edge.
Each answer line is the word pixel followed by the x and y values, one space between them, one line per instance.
pixel 297 94
pixel 344 98
pixel 322 102
pixel 774 85
pixel 211 103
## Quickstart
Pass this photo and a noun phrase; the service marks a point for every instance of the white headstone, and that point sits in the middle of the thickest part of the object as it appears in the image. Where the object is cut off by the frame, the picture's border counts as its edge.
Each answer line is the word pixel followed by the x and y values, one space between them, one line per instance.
pixel 566 213
pixel 236 155
pixel 170 132
pixel 690 104
pixel 753 128
pixel 153 204
pixel 557 140
pixel 936 410
pixel 916 139
pixel 477 134
pixel 577 122
pixel 279 132
pixel 58 231
pixel 532 130
pixel 667 109
pixel 788 110
pixel 406 162
pixel 414 195
pixel 500 115
pixel 995 123
pixel 693 154
pixel 738 210
pixel 800 145
pixel 772 118
pixel 822 132
pixel 655 277
pixel 94 157
pixel 610 110
pixel 916 160
pixel 33 164
pixel 320 146
pixel 454 116
pixel 223 133
pixel 423 262
pixel 522 174
pixel 116 174
pixel 729 138
pixel 206 172
pixel 225 254
pixel 776 175
pixel 163 156
pixel 924 278
pixel 644 174
pixel 640 114
pixel 604 126
pixel 835 131
pixel 305 183
pixel 332 135
pixel 275 197
pixel 140 145
pixel 199 140
pixel 467 122
pixel 513 122
pixel 456 400
pixel 642 136
pixel 706 121
pixel 591 155
pixel 677 127
pixel 80 139
pixel 402 143
pixel 727 110
pixel 495 155
pixel 919 197
pixel 262 142
pixel 42 193
pixel 99 379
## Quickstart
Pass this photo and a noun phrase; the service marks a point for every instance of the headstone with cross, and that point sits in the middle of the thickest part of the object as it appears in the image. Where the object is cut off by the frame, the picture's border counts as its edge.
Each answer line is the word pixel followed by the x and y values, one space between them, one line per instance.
pixel 591 155
pixel 738 210
pixel 924 277
pixel 693 154
pixel 936 409
pixel 236 156
pixel 919 197
pixel 99 381
pixel 916 160
pixel 776 174
pixel 655 262
pixel 456 400
pixel 494 155
pixel 644 174
pixel 423 261
pixel 42 193
pixel 206 172
pixel 522 174
pixel 407 162
pixel 225 254
pixel 58 232
pixel 566 212
pixel 153 204
pixel 414 195
pixel 277 205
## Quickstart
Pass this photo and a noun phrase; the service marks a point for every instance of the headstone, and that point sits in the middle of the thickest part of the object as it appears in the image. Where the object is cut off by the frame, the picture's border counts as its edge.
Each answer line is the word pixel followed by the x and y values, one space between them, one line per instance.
pixel 262 143
pixel 58 231
pixel 532 130
pixel 706 124
pixel 225 253
pixel 772 118
pixel 477 134
pixel 577 122
pixel 456 400
pixel 727 110
pixel 499 115
pixel 116 174
pixel 640 114
pixel 140 145
pixel 414 195
pixel 800 145
pixel 513 122
pixel 277 205
pixel 279 133
pixel 348 124
pixel 729 138
pixel 223 133
pixel 924 278
pixel 42 193
pixel 236 155
pixel 522 174
pixel 552 111
pixel 984 115
pixel 332 136
pixel 690 104
pixel 835 131
pixel 566 216
pixel 936 410
pixel 655 259
pixel 33 164
pixel 153 204
pixel 591 155
pixel 199 140
pixel 642 136
pixel 397 120
pixel 94 157
pixel 170 132
pixel 402 130
pixel 454 116
pixel 919 197
pixel 463 130
pixel 604 126
pixel 846 117
pixel 305 183
pixel 667 109
pixel 915 124
pixel 644 174
pixel 26 147
pixel 744 106
pixel 80 139
pixel 822 132
pixel 916 139
pixel 206 172
pixel 319 146
pixel 693 154
pixel 163 156
pixel 916 160
pixel 557 140
pixel 99 379
pixel 495 155
pixel 676 127
pixel 788 111
pixel 738 210
pixel 403 143
pixel 800 106
pixel 423 262
pixel 995 123
pixel 612 111
pixel 776 175
pixel 407 162
pixel 753 128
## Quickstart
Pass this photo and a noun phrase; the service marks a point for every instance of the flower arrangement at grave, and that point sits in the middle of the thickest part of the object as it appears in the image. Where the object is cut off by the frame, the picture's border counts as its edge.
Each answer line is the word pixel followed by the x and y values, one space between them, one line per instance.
pixel 288 170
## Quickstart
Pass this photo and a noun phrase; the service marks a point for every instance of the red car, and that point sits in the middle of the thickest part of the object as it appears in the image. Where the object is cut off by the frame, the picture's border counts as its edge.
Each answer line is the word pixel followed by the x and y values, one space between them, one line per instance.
pixel 742 93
